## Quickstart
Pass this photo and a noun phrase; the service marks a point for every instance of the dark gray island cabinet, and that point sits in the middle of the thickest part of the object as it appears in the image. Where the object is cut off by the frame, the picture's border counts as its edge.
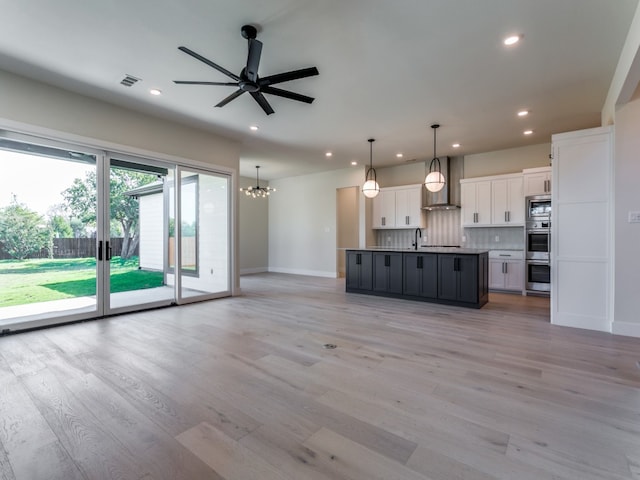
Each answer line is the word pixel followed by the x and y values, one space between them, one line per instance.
pixel 440 275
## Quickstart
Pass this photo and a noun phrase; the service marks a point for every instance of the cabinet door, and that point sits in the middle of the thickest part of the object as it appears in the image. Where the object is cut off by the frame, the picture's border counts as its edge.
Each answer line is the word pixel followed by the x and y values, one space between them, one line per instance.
pixel 468 199
pixel 388 208
pixel 537 183
pixel 376 221
pixel 500 202
pixel 387 272
pixel 409 207
pixel 353 270
pixel 402 208
pixel 496 274
pixel 467 278
pixel 516 201
pixel 483 202
pixel 514 275
pixel 447 277
pixel 359 272
pixel 411 281
pixel 365 280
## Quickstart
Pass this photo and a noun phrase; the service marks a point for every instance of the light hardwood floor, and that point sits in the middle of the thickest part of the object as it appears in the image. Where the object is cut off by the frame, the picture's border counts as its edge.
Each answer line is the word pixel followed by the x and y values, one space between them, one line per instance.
pixel 242 388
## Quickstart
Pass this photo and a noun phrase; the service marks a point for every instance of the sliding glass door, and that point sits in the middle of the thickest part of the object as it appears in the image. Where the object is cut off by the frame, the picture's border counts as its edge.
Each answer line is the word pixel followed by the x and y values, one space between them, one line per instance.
pixel 86 233
pixel 138 234
pixel 50 220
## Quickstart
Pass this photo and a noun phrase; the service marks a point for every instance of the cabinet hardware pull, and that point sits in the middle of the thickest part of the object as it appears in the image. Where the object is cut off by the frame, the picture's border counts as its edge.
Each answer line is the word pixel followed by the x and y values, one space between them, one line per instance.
pixel 384 221
pixel 506 268
pixel 387 260
pixel 505 216
pixel 358 258
pixel 406 219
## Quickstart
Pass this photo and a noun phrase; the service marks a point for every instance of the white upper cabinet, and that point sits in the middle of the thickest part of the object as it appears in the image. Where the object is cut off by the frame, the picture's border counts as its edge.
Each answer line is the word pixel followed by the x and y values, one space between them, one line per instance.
pixel 476 203
pixel 493 201
pixel 537 181
pixel 507 201
pixel 399 207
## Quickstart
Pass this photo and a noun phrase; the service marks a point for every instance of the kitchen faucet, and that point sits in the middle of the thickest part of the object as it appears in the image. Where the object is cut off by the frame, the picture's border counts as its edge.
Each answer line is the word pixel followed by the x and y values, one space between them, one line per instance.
pixel 415 237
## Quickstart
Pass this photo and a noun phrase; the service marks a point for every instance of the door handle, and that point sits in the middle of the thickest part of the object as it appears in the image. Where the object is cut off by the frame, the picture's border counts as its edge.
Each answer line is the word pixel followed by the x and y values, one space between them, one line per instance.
pixel 108 251
pixel 100 250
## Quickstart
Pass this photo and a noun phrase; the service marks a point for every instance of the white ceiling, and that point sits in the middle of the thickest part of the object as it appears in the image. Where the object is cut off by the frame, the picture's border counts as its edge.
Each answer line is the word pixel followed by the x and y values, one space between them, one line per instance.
pixel 387 69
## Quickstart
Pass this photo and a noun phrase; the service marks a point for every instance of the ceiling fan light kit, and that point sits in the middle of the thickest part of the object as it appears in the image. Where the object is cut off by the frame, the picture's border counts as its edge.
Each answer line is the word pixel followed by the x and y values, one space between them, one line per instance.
pixel 249 81
pixel 370 188
pixel 434 180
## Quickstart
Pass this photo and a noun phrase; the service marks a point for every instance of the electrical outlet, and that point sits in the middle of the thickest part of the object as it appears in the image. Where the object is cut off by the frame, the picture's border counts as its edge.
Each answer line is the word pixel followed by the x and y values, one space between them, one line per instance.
pixel 497 238
pixel 634 217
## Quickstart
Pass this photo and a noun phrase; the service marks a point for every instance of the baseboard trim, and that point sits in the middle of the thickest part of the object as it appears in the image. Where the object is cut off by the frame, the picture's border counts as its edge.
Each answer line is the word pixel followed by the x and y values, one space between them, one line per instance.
pixel 629 329
pixel 249 271
pixel 311 273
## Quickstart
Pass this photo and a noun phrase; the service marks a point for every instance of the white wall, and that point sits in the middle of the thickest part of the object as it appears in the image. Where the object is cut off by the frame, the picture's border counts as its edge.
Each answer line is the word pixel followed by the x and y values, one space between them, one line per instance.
pixel 253 234
pixel 511 160
pixel 302 222
pixel 627 235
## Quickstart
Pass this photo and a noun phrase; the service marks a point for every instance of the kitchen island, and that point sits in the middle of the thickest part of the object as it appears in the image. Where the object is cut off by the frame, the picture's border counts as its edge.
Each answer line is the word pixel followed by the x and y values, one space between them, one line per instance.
pixel 452 276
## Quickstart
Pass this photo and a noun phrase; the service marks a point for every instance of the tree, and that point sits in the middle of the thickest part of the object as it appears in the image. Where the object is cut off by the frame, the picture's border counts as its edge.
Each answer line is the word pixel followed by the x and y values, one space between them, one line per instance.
pixel 81 196
pixel 60 227
pixel 22 231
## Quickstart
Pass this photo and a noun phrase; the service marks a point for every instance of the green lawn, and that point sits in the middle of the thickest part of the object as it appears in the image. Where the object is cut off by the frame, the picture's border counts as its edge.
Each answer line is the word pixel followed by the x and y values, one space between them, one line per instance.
pixel 41 280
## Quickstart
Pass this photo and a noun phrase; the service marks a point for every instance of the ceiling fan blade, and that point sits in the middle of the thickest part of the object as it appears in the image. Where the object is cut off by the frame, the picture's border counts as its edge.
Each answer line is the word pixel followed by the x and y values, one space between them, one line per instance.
pixel 209 62
pixel 287 76
pixel 235 94
pixel 262 102
pixel 189 82
pixel 287 94
pixel 253 59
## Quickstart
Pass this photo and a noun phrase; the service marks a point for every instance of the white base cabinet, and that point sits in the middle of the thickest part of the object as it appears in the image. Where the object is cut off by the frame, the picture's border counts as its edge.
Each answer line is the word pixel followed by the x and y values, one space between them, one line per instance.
pixel 506 270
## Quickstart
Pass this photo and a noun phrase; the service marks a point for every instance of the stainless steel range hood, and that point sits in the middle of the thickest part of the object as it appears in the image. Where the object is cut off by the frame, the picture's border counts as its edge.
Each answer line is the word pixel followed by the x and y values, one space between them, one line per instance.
pixel 449 197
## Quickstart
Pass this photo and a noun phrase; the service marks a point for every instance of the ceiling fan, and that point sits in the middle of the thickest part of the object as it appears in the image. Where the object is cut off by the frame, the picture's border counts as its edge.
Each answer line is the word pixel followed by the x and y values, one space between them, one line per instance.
pixel 248 80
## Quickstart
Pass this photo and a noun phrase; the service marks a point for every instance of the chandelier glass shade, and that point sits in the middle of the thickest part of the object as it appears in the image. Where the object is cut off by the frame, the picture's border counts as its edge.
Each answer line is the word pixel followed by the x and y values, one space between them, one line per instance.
pixel 257 191
pixel 370 188
pixel 434 181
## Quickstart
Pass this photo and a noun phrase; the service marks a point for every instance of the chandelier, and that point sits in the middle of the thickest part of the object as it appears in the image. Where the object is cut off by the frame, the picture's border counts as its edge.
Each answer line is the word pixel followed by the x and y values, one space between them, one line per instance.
pixel 257 191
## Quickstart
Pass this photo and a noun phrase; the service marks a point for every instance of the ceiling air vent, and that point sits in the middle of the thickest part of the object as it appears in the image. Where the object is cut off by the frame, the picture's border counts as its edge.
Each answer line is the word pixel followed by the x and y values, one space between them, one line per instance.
pixel 129 81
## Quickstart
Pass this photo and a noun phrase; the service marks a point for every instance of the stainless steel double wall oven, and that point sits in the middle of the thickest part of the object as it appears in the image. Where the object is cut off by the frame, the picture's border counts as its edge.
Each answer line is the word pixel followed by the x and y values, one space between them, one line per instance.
pixel 537 244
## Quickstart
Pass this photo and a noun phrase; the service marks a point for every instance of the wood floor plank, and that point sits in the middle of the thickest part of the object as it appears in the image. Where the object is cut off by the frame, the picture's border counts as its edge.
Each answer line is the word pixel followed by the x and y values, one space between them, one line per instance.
pixel 25 435
pixel 94 448
pixel 138 434
pixel 344 457
pixel 227 457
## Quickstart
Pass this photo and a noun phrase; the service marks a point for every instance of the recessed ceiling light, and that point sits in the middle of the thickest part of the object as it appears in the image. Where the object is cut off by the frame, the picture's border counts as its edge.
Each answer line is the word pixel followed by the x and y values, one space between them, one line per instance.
pixel 456 145
pixel 254 128
pixel 155 91
pixel 512 40
pixel 523 113
pixel 328 154
pixel 354 163
pixel 399 155
pixel 528 132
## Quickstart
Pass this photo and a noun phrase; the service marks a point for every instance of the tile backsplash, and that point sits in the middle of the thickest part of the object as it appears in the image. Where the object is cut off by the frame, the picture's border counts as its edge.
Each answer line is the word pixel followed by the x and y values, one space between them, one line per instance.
pixel 494 238
pixel 444 228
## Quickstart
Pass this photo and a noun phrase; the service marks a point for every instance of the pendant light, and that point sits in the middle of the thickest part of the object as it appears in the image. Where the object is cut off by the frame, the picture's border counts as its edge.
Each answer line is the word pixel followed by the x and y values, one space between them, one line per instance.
pixel 257 191
pixel 434 180
pixel 370 188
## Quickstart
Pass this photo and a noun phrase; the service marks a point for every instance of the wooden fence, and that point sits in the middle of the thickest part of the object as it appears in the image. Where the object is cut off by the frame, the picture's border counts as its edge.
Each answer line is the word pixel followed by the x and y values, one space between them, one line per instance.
pixel 72 248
